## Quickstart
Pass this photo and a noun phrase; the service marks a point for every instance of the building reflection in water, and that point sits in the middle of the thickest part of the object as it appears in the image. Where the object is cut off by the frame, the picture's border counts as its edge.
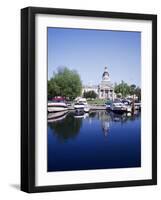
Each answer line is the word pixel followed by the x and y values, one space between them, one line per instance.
pixel 105 127
pixel 69 125
pixel 105 120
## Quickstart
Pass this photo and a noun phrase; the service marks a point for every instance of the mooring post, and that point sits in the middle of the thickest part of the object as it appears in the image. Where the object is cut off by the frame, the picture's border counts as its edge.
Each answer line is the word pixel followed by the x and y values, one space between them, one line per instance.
pixel 133 106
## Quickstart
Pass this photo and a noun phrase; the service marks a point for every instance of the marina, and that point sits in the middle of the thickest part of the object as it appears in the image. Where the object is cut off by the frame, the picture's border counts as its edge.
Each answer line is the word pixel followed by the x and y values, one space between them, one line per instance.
pixel 92 126
pixel 116 106
pixel 97 130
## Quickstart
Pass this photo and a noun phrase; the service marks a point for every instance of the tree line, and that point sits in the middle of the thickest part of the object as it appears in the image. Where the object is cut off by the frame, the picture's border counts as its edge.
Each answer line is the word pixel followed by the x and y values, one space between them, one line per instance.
pixel 67 83
pixel 124 89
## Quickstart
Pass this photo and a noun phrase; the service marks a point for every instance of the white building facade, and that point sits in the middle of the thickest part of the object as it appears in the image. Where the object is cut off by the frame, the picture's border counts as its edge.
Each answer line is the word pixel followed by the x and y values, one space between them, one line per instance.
pixel 104 90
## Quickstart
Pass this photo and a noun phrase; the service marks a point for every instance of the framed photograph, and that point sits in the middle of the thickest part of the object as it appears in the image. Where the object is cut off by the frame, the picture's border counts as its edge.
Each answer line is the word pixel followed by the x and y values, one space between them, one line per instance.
pixel 88 99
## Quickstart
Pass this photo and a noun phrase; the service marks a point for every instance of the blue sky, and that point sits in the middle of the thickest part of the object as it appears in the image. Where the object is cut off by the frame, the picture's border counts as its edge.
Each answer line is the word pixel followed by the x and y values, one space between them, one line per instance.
pixel 89 51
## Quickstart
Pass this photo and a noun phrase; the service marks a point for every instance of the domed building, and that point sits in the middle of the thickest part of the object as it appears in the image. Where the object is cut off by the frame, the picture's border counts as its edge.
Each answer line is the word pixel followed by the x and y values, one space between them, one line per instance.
pixel 105 88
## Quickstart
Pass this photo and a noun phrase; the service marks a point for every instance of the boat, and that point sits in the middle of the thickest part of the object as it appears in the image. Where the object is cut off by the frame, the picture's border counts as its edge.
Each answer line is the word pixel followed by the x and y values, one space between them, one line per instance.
pixel 82 104
pixel 81 100
pixel 57 106
pixel 108 105
pixel 118 107
pixel 86 108
pixel 128 109
pixel 137 106
pixel 79 106
pixel 86 115
pixel 127 102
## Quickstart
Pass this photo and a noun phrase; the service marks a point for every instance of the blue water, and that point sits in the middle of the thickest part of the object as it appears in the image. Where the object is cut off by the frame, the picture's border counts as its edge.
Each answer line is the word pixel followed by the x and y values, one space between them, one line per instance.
pixel 98 140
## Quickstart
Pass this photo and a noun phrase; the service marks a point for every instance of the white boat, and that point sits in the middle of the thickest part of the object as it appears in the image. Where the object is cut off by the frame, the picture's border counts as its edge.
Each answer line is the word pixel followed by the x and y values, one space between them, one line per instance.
pixel 82 104
pixel 128 109
pixel 118 107
pixel 81 100
pixel 79 106
pixel 108 106
pixel 57 106
pixel 137 106
pixel 86 115
pixel 86 108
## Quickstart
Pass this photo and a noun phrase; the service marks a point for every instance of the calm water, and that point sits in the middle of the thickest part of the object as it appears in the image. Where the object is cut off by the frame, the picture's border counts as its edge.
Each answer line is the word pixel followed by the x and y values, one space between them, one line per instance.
pixel 98 140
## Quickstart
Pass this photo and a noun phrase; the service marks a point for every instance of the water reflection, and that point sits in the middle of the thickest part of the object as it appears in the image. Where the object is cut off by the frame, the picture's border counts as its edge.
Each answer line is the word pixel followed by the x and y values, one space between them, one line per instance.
pixel 58 116
pixel 68 124
pixel 66 128
pixel 95 140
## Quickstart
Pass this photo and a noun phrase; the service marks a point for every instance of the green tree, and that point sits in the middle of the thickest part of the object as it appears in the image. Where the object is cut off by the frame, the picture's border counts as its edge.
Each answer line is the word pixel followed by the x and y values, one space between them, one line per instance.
pixel 90 94
pixel 132 89
pixel 66 83
pixel 126 89
pixel 138 93
pixel 122 88
pixel 53 89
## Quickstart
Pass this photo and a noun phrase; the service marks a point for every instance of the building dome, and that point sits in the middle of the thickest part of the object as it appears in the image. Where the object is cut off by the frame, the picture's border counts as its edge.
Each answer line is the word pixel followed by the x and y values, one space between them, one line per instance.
pixel 105 75
pixel 105 88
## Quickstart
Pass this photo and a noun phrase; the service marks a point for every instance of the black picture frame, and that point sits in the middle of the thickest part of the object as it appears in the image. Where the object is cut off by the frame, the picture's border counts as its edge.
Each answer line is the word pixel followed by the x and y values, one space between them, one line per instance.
pixel 28 99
